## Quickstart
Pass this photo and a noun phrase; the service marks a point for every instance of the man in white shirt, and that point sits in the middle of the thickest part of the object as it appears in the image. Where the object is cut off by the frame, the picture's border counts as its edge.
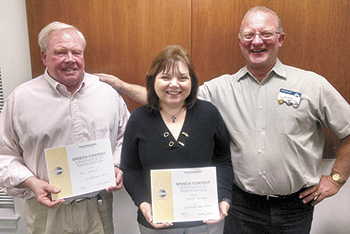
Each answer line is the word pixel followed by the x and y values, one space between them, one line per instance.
pixel 63 106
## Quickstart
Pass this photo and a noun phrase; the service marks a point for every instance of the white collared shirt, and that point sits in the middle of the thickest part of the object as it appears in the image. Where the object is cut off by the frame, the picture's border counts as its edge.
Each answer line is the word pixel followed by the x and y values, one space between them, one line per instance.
pixel 42 114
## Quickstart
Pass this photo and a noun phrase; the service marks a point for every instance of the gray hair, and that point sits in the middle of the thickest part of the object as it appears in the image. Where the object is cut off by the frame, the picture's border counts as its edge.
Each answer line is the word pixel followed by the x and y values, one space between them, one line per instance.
pixel 54 26
pixel 266 10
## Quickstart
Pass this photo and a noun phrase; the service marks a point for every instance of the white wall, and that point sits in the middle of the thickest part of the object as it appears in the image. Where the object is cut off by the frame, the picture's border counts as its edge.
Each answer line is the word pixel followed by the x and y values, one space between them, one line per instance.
pixel 124 214
pixel 14 64
pixel 332 215
pixel 14 44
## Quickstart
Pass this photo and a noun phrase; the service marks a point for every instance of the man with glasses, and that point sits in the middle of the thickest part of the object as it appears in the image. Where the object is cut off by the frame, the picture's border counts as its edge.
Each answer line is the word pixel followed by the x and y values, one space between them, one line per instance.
pixel 274 114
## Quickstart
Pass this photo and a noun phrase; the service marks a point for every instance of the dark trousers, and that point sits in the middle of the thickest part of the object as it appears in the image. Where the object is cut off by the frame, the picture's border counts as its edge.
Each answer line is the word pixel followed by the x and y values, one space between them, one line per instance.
pixel 261 215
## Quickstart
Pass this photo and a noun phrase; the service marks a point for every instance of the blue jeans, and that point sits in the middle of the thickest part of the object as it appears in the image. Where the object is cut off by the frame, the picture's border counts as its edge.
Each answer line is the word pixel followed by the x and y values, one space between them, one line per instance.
pixel 258 215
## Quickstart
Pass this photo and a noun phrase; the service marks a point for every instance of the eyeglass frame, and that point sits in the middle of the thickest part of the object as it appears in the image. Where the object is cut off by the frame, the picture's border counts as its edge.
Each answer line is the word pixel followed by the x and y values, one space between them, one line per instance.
pixel 241 35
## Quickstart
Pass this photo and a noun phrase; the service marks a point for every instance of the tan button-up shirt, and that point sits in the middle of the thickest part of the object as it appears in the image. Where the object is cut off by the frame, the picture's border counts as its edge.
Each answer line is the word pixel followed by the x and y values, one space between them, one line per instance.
pixel 276 147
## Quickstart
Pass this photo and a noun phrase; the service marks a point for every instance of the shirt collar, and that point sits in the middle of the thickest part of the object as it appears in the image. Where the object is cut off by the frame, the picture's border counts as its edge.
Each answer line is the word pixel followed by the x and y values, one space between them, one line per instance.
pixel 58 87
pixel 278 69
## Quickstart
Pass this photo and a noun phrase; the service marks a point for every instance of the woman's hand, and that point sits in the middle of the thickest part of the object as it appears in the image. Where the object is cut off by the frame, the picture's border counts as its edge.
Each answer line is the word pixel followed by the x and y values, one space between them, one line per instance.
pixel 223 209
pixel 146 210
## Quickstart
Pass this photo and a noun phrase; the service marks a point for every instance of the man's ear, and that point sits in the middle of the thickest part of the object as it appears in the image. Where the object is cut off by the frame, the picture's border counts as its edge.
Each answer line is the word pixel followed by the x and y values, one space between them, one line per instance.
pixel 239 42
pixel 281 39
pixel 43 56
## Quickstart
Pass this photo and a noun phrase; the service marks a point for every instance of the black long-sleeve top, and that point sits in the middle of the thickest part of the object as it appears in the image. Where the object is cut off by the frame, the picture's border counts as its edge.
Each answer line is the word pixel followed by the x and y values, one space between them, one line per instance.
pixel 203 141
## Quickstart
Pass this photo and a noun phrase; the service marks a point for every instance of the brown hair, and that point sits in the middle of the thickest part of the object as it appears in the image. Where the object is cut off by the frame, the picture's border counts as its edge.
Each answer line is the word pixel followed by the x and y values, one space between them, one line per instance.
pixel 165 60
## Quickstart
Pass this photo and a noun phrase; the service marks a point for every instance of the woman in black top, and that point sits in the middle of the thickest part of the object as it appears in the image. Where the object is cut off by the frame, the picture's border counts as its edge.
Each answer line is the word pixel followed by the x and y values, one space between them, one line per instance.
pixel 174 130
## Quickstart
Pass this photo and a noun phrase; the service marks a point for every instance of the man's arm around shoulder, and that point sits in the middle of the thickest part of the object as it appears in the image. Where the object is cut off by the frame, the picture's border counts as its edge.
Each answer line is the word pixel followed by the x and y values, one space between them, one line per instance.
pixel 135 92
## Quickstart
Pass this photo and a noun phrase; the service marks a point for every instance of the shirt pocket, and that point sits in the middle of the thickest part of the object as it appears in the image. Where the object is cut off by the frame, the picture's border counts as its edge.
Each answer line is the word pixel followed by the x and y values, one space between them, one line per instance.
pixel 289 119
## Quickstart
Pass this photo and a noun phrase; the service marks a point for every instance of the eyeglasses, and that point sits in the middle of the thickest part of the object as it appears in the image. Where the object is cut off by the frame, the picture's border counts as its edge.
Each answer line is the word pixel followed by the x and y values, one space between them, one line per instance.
pixel 264 35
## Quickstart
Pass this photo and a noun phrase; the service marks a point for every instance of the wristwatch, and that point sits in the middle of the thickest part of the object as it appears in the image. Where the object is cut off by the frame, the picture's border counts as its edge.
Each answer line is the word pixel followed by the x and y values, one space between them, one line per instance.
pixel 337 178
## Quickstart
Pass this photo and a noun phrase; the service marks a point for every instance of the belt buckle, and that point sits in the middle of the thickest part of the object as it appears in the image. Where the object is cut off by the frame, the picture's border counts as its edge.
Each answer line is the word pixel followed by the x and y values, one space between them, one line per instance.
pixel 271 196
pixel 99 199
pixel 79 199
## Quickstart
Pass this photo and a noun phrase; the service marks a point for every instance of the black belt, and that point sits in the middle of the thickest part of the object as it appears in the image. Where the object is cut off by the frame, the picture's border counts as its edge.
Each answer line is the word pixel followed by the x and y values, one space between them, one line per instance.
pixel 270 197
pixel 81 199
pixel 98 197
pixel 282 197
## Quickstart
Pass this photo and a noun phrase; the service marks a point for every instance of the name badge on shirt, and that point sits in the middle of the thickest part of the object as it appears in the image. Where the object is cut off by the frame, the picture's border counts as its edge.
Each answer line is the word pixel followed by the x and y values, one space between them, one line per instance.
pixel 289 97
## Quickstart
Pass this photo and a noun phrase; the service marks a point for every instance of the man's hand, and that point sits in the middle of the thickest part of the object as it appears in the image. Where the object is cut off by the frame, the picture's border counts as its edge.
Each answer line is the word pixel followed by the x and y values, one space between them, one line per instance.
pixel 325 188
pixel 115 82
pixel 42 191
pixel 118 180
pixel 135 92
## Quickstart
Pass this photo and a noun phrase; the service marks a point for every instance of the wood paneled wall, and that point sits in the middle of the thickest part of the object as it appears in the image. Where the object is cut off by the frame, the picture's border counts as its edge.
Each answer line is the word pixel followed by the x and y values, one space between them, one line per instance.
pixel 123 36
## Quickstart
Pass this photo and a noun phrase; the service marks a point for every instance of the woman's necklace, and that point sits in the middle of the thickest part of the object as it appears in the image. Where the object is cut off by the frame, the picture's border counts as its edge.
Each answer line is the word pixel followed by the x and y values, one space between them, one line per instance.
pixel 173 117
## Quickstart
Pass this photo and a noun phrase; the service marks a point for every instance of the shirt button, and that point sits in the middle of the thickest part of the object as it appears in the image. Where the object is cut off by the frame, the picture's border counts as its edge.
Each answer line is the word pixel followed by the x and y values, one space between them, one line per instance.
pixel 185 134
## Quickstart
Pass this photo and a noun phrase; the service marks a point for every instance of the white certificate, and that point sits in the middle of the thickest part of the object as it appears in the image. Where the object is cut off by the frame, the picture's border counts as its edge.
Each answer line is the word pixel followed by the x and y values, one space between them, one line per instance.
pixel 81 168
pixel 180 195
